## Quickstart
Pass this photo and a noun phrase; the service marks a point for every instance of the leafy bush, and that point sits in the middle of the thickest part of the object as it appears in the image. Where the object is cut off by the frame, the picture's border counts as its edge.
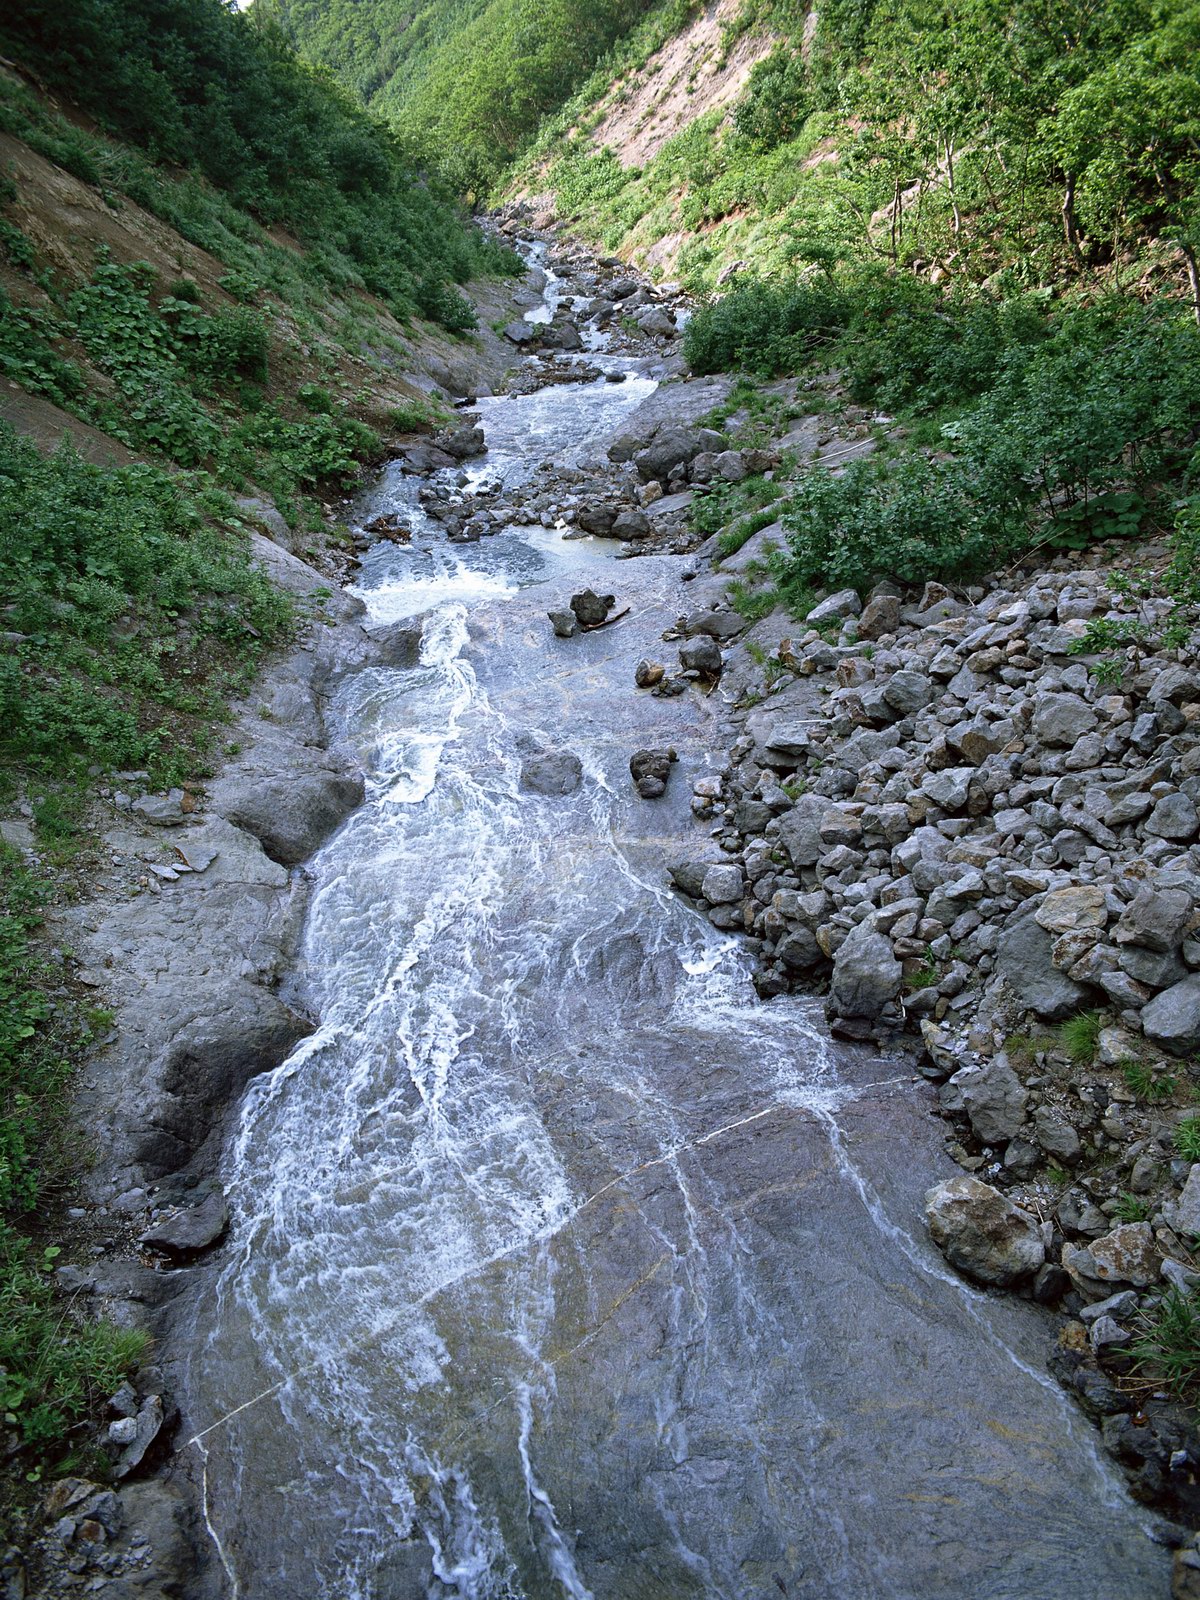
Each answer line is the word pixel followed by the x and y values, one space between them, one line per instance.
pixel 767 329
pixel 910 520
pixel 130 602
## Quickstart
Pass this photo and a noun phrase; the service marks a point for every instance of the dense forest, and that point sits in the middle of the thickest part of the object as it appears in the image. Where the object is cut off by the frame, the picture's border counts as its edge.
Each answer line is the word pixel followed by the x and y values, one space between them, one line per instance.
pixel 467 83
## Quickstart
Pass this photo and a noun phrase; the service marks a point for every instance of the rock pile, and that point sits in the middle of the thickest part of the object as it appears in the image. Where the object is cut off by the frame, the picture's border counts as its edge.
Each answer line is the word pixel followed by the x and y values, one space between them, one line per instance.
pixel 947 811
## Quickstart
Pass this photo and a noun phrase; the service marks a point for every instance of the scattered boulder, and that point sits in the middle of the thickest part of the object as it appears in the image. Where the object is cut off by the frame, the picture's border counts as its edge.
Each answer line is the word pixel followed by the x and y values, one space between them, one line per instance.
pixel 982 1233
pixel 188 1232
pixel 993 1098
pixel 836 608
pixel 553 771
pixel 591 608
pixel 723 885
pixel 1023 958
pixel 647 673
pixel 564 623
pixel 463 443
pixel 702 654
pixel 1172 1018
pixel 650 770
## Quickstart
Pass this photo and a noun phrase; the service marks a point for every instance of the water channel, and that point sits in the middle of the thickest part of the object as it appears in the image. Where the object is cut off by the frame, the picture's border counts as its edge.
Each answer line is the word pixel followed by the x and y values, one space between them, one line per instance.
pixel 562 1266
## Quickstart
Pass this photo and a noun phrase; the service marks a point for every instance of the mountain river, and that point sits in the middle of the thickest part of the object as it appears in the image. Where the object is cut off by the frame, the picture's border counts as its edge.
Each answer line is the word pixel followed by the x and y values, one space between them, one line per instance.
pixel 561 1265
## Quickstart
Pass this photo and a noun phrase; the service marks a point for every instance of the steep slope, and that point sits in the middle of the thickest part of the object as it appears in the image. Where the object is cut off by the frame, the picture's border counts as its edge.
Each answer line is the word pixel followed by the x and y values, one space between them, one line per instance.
pixel 468 81
pixel 222 289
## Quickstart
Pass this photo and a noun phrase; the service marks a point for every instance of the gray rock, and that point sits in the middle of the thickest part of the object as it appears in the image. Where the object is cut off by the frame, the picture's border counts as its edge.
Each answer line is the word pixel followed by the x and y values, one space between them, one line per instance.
pixel 190 1231
pixel 1023 959
pixel 1105 1333
pixel 845 603
pixel 163 810
pixel 993 1098
pixel 269 519
pixel 292 816
pixel 1055 1134
pixel 907 691
pixel 1174 817
pixel 551 772
pixel 730 465
pixel 631 525
pixel 800 830
pixel 647 673
pixel 719 623
pixel 592 608
pixel 949 789
pixel 880 615
pixel 688 876
pixel 148 1426
pixel 723 885
pixel 1061 719
pixel 1156 919
pixel 520 333
pixel 1183 1214
pixel 596 520
pixel 702 654
pixel 463 443
pixel 564 623
pixel 982 1233
pixel 866 975
pixel 656 322
pixel 669 447
pixel 1127 1255
pixel 1172 1019
pixel 650 770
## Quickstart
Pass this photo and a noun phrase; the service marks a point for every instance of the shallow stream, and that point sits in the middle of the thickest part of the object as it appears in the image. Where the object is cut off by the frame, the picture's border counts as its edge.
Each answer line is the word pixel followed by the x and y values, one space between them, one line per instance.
pixel 561 1265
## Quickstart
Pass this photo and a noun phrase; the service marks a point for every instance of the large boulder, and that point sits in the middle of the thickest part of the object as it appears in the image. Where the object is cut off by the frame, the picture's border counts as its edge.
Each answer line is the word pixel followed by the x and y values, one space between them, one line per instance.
pixel 670 446
pixel 982 1233
pixel 866 975
pixel 188 1232
pixel 1061 719
pixel 702 654
pixel 650 770
pixel 1023 959
pixel 800 830
pixel 592 608
pixel 1172 1019
pixel 551 772
pixel 1155 919
pixel 292 816
pixel 993 1098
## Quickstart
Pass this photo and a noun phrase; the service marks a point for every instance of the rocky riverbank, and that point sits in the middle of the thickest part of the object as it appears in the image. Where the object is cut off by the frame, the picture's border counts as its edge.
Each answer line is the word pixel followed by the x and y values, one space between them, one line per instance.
pixel 940 808
pixel 966 822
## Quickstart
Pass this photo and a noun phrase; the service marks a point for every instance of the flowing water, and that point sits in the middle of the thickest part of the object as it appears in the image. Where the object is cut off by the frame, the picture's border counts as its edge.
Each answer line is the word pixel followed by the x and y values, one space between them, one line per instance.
pixel 561 1265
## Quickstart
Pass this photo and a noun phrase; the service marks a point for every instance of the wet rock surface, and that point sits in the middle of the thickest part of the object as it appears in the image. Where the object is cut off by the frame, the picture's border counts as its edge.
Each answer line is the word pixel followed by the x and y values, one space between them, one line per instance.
pixel 687 1197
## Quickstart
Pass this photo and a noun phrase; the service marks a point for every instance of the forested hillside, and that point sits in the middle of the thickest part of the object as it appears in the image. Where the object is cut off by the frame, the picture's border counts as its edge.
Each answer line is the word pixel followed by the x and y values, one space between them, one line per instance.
pixel 214 269
pixel 467 82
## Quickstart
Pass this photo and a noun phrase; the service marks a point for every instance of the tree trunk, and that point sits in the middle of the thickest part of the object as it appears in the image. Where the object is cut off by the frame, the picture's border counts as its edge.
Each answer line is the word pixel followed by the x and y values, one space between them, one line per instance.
pixel 950 186
pixel 1188 253
pixel 1070 232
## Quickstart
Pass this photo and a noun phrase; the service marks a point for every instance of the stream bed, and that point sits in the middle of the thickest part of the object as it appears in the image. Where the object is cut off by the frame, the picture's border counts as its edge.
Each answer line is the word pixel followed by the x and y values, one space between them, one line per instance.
pixel 561 1265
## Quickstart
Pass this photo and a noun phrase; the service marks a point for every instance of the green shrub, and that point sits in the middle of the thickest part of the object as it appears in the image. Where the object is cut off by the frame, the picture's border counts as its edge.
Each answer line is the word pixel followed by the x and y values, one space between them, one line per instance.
pixel 910 520
pixel 1168 1351
pixel 1080 1037
pixel 131 602
pixel 1145 1082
